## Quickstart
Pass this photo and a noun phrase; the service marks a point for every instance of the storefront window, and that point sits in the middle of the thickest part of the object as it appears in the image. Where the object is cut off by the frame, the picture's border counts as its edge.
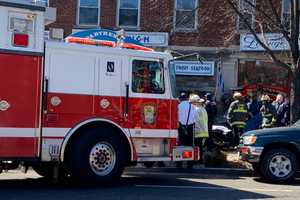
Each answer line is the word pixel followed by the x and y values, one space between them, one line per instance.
pixel 185 14
pixel 247 8
pixel 88 12
pixel 147 77
pixel 129 13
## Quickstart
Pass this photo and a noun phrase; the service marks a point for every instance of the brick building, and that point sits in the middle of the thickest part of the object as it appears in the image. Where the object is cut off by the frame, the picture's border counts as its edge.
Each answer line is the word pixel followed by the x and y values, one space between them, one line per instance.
pixel 206 27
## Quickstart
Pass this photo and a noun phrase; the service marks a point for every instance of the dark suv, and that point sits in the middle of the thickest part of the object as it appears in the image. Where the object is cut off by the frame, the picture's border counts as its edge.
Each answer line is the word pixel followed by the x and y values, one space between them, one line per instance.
pixel 274 153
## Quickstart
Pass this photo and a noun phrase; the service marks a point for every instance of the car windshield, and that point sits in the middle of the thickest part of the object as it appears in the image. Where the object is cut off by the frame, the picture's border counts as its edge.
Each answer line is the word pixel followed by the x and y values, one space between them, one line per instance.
pixel 297 123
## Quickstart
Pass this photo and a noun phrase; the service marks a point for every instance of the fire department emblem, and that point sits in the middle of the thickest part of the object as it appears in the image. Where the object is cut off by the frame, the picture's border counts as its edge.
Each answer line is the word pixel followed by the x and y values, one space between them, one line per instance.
pixel 149 112
pixel 104 103
pixel 55 101
pixel 4 105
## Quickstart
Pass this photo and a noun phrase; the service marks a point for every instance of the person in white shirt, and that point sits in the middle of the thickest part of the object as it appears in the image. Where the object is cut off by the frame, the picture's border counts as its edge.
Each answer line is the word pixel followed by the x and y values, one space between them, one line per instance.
pixel 187 117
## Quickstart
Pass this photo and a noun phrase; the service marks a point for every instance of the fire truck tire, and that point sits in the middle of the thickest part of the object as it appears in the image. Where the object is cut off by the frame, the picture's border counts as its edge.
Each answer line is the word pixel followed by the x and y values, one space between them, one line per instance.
pixel 98 155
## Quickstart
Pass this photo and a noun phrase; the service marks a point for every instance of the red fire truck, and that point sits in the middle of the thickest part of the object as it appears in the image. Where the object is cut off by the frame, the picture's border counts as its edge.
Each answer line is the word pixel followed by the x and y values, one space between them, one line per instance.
pixel 82 110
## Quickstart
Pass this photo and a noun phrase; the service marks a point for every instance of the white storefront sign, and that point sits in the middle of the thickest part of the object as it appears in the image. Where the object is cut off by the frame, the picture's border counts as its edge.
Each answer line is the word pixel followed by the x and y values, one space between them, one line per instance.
pixel 150 39
pixel 274 41
pixel 195 68
pixel 154 39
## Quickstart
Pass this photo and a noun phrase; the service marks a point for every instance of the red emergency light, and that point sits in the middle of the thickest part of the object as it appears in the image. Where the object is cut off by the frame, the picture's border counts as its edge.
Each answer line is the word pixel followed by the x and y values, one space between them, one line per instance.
pixel 187 154
pixel 20 40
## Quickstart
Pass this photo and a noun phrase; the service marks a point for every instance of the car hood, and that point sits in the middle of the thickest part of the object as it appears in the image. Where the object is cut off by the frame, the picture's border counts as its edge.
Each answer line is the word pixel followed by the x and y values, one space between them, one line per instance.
pixel 275 131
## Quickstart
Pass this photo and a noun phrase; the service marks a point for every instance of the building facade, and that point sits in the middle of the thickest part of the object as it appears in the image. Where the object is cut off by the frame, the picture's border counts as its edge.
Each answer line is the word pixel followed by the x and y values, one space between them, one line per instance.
pixel 208 28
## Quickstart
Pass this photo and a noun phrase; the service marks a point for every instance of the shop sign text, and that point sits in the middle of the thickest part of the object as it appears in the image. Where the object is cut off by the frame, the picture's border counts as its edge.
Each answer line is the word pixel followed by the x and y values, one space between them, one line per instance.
pixel 154 39
pixel 274 41
pixel 194 68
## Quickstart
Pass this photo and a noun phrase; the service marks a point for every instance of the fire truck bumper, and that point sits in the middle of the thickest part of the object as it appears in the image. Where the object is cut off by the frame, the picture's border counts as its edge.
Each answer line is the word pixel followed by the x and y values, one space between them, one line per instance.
pixel 185 153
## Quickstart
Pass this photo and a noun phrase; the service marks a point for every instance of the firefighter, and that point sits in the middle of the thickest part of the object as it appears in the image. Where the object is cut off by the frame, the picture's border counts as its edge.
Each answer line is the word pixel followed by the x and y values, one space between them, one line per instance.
pixel 201 123
pixel 268 112
pixel 237 116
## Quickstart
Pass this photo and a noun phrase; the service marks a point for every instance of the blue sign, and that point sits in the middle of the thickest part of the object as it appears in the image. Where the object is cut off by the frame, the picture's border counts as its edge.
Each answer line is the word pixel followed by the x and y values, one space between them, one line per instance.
pixel 105 35
pixel 195 68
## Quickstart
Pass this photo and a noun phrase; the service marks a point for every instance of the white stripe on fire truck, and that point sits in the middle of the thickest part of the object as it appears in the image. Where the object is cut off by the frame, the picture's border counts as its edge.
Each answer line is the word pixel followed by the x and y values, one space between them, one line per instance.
pixel 163 133
pixel 62 132
pixel 55 132
pixel 18 132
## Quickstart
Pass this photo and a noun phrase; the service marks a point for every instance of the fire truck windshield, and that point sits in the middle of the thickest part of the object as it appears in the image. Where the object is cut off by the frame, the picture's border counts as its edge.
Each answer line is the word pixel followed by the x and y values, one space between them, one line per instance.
pixel 172 78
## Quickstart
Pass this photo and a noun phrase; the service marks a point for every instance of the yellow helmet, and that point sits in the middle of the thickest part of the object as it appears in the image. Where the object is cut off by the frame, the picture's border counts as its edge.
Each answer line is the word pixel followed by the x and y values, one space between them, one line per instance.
pixel 265 98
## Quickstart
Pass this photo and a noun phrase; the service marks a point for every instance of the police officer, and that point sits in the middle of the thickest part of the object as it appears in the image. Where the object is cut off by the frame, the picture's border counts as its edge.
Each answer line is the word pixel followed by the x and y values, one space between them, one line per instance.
pixel 268 112
pixel 237 116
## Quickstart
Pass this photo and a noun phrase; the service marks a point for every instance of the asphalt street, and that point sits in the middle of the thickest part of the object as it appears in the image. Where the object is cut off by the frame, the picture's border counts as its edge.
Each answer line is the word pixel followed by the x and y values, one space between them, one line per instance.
pixel 148 184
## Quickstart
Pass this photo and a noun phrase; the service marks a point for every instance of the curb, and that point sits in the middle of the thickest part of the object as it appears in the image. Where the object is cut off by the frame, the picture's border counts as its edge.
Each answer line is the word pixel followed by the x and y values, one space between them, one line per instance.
pixel 204 170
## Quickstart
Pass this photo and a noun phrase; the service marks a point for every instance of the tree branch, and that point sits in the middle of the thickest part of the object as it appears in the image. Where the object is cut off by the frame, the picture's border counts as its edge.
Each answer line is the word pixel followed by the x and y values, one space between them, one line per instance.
pixel 253 32
pixel 279 21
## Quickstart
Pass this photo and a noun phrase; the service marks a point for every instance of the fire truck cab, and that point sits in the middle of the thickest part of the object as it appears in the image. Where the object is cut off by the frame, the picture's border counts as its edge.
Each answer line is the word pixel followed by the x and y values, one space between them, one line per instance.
pixel 82 110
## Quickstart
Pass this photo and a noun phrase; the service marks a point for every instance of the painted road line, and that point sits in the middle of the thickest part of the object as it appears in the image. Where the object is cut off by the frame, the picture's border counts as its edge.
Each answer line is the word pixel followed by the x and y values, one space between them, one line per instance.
pixel 212 188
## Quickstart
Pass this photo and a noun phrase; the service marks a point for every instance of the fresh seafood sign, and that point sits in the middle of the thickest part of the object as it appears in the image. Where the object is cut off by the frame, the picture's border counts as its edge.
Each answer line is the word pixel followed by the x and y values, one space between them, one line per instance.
pixel 194 68
pixel 274 41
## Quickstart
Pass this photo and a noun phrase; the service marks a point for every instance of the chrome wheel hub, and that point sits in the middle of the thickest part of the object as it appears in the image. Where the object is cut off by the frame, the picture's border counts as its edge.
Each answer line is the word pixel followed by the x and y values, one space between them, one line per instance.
pixel 280 166
pixel 102 158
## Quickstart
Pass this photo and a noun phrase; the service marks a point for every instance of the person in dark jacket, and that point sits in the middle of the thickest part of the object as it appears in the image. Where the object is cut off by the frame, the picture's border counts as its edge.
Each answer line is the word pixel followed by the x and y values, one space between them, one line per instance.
pixel 237 116
pixel 280 108
pixel 268 112
pixel 286 119
pixel 211 109
pixel 253 105
pixel 284 113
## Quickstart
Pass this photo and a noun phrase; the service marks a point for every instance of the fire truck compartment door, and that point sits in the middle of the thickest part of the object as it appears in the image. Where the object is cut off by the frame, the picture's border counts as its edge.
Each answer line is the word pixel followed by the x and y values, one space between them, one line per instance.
pixel 20 102
pixel 108 100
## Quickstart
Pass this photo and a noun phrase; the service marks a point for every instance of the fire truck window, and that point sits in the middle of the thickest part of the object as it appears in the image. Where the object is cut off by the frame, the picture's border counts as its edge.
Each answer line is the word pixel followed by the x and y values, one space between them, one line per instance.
pixel 147 77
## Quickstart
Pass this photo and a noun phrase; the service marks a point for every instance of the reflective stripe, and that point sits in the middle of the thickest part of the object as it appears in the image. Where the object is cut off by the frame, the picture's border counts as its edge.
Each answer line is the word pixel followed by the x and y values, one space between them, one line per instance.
pixel 240 110
pixel 268 115
pixel 238 123
pixel 267 125
pixel 203 134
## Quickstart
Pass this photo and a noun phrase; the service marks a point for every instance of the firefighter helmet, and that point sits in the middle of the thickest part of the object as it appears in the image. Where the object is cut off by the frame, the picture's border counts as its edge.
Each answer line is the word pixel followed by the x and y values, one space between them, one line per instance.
pixel 265 98
pixel 237 95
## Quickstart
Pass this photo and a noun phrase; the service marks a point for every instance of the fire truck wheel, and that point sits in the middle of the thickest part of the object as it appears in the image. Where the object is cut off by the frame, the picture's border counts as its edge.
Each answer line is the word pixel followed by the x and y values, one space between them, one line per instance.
pixel 98 155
